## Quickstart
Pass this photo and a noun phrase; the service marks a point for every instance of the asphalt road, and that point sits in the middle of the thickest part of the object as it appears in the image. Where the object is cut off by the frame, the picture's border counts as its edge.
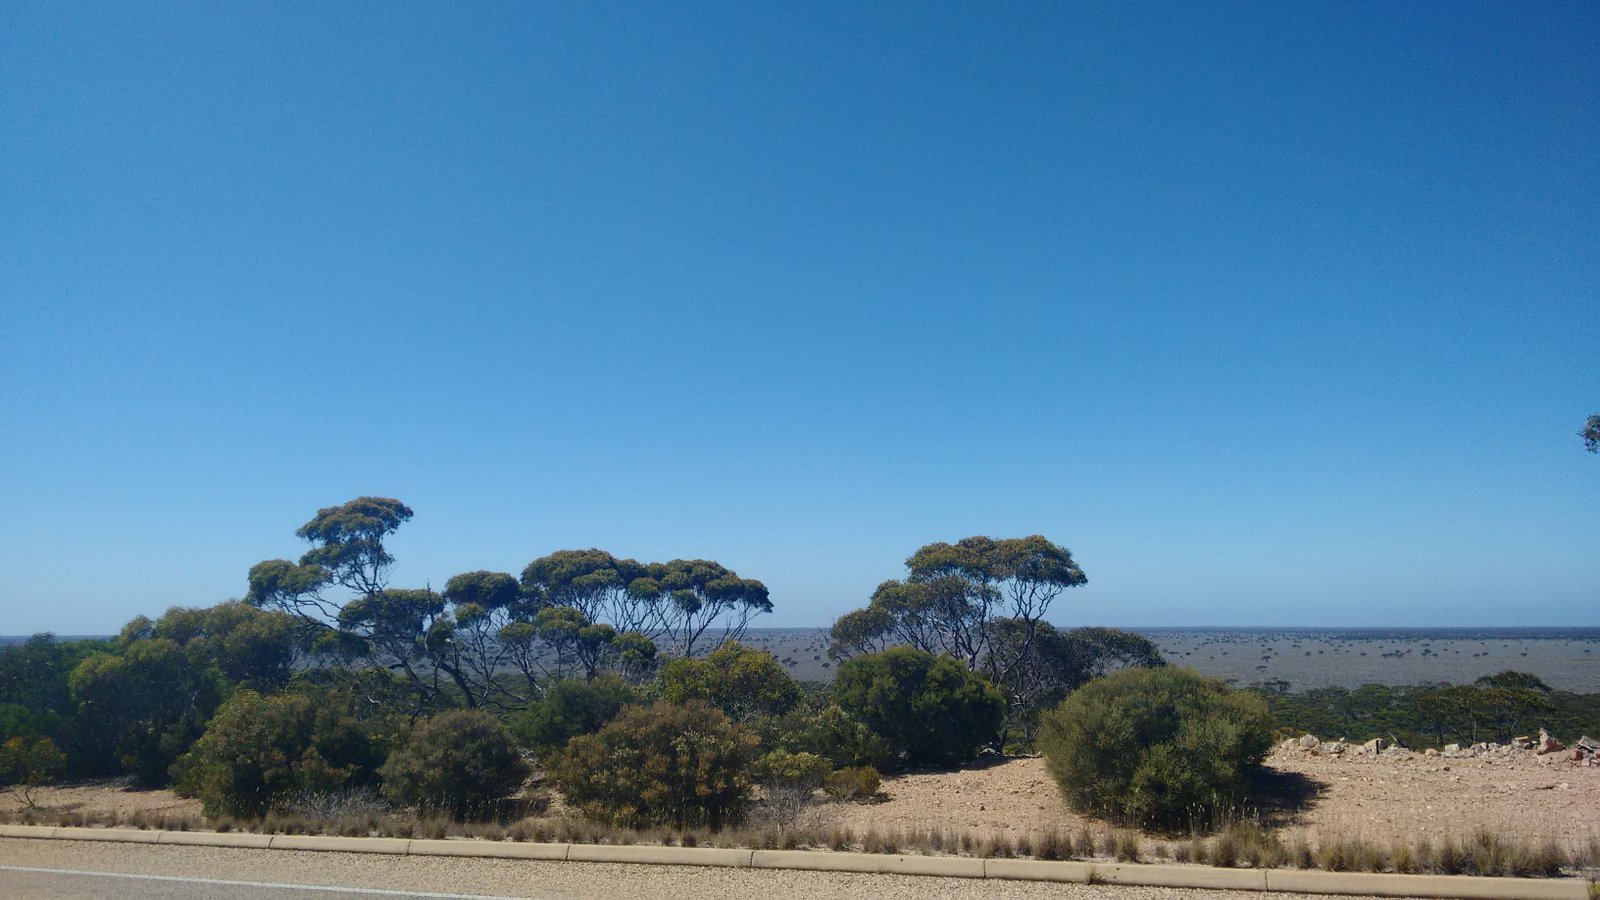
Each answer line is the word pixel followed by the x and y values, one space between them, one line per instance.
pixel 31 883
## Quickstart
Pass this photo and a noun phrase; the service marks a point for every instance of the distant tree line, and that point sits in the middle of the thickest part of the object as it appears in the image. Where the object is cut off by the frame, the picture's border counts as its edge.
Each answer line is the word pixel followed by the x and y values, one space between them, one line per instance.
pixel 1493 708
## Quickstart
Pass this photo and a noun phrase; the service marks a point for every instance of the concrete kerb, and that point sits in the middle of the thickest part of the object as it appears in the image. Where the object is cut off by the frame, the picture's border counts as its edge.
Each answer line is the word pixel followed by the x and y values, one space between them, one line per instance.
pixel 1193 877
pixel 120 835
pixel 39 832
pixel 940 866
pixel 1150 875
pixel 660 856
pixel 1038 870
pixel 493 849
pixel 394 846
pixel 811 861
pixel 240 839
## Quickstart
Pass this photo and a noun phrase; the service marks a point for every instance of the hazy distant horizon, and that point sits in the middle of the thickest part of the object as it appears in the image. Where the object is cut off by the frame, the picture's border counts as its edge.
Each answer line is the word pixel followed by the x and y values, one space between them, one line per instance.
pixel 1304 657
pixel 1541 632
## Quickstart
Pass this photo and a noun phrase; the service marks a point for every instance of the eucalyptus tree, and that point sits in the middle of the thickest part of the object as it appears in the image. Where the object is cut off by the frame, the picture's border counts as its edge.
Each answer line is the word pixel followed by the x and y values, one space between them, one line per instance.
pixel 597 584
pixel 148 702
pixel 346 551
pixel 482 604
pixel 574 637
pixel 956 596
pixel 409 630
pixel 692 595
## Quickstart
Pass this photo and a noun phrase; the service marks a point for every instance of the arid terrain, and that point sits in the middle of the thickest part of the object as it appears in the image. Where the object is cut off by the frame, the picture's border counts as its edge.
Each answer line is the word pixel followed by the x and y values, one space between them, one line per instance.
pixel 1384 798
pixel 1394 796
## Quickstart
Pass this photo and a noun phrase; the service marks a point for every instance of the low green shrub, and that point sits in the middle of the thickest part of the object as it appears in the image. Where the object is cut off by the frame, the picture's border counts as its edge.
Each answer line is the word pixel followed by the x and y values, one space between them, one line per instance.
pixel 259 750
pixel 571 708
pixel 788 781
pixel 27 763
pixel 461 763
pixel 930 709
pixel 1162 747
pixel 682 765
pixel 854 783
pixel 741 681
pixel 820 726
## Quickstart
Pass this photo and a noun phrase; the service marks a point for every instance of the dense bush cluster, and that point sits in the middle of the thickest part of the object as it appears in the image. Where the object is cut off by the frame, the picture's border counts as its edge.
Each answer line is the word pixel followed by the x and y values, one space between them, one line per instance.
pixel 672 764
pixel 1161 747
pixel 742 682
pixel 930 709
pixel 459 762
pixel 572 707
pixel 259 750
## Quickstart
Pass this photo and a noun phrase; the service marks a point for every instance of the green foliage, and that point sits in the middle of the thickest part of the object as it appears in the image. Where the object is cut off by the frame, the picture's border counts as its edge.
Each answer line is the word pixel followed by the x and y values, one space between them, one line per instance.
pixel 35 700
pixel 853 783
pixel 1591 433
pixel 459 762
pixel 581 611
pixel 782 768
pixel 822 727
pixel 17 720
pixel 150 704
pixel 1494 708
pixel 571 708
pixel 595 583
pixel 635 655
pixel 666 764
pixel 26 763
pixel 689 595
pixel 1360 714
pixel 346 551
pixel 788 781
pixel 866 630
pixel 930 709
pixel 574 637
pixel 249 646
pixel 981 601
pixel 741 681
pixel 260 750
pixel 489 590
pixel 1509 702
pixel 347 540
pixel 1058 663
pixel 1161 747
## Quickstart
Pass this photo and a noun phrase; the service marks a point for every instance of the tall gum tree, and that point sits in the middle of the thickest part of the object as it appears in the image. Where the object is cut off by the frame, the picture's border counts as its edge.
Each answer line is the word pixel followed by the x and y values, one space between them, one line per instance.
pixel 346 551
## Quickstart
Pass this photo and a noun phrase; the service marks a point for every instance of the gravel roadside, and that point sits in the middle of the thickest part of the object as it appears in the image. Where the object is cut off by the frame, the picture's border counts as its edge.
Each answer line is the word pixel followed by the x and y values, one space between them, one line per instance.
pixel 517 878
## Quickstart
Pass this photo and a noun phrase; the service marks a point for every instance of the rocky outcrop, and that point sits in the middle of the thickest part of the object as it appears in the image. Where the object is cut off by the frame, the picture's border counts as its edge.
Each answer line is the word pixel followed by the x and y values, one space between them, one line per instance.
pixel 1586 752
pixel 1548 744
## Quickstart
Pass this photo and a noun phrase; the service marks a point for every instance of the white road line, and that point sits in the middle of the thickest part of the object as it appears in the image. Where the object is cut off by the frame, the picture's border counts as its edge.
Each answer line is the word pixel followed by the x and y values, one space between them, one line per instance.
pixel 255 884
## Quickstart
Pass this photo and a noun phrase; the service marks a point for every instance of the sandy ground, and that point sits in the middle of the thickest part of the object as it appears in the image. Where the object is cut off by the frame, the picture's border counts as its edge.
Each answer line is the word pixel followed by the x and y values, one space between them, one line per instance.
pixel 100 798
pixel 1381 798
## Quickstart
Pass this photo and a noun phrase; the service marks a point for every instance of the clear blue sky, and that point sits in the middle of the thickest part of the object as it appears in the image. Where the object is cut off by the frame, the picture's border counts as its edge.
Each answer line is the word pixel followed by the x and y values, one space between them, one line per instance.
pixel 1273 313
